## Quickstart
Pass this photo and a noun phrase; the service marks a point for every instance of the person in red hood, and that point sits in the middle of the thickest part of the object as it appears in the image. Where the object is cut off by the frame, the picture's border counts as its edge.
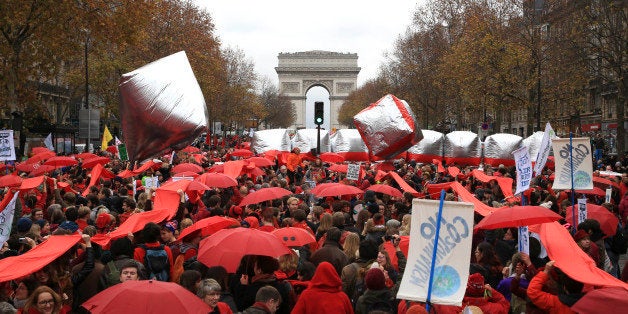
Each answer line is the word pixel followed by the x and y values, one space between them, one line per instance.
pixel 324 293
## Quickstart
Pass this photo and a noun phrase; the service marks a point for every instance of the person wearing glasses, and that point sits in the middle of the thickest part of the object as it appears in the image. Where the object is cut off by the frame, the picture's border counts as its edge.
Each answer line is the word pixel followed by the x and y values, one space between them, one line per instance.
pixel 44 301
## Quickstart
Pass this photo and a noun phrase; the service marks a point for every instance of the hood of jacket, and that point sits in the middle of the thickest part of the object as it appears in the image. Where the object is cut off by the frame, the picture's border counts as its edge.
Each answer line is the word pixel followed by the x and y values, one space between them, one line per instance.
pixel 326 278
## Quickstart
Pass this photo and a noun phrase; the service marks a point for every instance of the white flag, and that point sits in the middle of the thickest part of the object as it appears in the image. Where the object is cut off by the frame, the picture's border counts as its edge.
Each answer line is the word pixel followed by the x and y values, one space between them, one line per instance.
pixel 48 142
pixel 7 146
pixel 581 169
pixel 524 169
pixel 451 268
pixel 544 150
pixel 6 219
pixel 117 141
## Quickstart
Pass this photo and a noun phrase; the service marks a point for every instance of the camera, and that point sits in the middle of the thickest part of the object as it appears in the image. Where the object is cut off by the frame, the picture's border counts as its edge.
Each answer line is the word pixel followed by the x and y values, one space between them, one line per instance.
pixel 23 241
pixel 388 237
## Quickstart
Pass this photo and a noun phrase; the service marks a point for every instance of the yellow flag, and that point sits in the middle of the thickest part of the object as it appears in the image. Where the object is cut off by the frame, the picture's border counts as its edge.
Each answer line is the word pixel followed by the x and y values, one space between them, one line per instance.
pixel 106 137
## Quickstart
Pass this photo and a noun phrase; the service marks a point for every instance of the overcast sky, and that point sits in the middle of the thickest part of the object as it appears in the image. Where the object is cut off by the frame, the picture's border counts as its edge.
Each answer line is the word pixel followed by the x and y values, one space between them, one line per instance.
pixel 263 29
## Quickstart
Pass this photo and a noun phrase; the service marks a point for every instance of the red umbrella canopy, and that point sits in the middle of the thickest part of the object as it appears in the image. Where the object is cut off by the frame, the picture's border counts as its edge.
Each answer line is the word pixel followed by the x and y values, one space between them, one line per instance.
pixel 209 226
pixel 386 189
pixel 517 216
pixel 185 185
pixel 338 190
pixel 61 161
pixel 263 195
pixel 187 174
pixel 227 247
pixel 41 169
pixel 242 153
pixel 186 166
pixel 608 221
pixel 40 157
pixel 603 300
pixel 92 162
pixel 596 191
pixel 322 186
pixel 331 157
pixel 85 156
pixel 338 168
pixel 292 236
pixel 10 180
pixel 31 183
pixel 146 296
pixel 260 161
pixel 24 167
pixel 39 149
pixel 191 149
pixel 217 180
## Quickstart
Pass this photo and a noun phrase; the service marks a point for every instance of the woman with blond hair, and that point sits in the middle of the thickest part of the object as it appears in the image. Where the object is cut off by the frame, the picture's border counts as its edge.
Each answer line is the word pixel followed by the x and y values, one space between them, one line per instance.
pixel 351 246
pixel 404 230
pixel 44 301
pixel 326 224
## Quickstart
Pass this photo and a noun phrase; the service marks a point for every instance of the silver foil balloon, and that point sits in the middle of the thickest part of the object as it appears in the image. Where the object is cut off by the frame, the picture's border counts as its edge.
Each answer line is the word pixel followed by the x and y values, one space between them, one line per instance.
pixel 306 140
pixel 498 148
pixel 274 139
pixel 347 141
pixel 388 127
pixel 161 107
pixel 462 144
pixel 430 147
pixel 533 142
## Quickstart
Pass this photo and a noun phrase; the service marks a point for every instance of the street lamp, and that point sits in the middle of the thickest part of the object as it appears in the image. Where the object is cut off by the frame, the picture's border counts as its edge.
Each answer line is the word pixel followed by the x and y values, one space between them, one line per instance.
pixel 89 112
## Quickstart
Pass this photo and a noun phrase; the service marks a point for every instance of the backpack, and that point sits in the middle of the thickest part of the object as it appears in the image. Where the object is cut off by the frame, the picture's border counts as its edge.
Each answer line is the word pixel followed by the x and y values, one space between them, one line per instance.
pixel 619 243
pixel 380 306
pixel 359 286
pixel 112 275
pixel 156 263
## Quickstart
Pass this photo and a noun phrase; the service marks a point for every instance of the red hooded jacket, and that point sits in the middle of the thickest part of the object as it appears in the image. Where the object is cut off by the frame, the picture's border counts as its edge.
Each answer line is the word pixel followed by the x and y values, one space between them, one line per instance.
pixel 324 293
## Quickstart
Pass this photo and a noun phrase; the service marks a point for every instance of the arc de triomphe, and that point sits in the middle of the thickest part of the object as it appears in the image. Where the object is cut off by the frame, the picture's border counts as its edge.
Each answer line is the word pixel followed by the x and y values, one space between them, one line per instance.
pixel 300 71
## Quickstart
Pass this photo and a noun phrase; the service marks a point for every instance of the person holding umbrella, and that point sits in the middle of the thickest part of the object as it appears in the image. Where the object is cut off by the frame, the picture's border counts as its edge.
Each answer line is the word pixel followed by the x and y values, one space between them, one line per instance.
pixel 264 269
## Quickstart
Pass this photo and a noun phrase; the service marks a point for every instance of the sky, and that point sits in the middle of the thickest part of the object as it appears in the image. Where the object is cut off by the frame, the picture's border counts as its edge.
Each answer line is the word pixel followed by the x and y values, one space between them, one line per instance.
pixel 263 29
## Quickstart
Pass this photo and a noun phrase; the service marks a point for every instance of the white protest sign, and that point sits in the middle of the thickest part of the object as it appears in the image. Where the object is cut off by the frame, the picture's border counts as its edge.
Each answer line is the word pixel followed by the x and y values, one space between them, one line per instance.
pixel 353 172
pixel 609 193
pixel 7 145
pixel 582 164
pixel 451 268
pixel 582 209
pixel 524 240
pixel 6 219
pixel 524 169
pixel 544 150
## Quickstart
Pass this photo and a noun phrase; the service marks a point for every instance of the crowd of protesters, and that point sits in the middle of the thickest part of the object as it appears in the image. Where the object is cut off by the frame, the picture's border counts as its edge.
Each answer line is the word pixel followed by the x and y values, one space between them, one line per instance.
pixel 347 271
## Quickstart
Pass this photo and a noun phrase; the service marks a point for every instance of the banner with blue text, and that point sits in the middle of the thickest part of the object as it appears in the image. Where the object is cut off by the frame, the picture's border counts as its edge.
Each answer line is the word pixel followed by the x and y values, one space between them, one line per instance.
pixel 582 166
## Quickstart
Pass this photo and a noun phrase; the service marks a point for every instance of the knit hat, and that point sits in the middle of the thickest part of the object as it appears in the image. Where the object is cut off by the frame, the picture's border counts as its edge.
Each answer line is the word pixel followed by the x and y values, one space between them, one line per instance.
pixel 103 220
pixel 24 224
pixel 581 234
pixel 416 309
pixel 69 225
pixel 171 225
pixel 41 222
pixel 374 279
pixel 252 221
pixel 475 285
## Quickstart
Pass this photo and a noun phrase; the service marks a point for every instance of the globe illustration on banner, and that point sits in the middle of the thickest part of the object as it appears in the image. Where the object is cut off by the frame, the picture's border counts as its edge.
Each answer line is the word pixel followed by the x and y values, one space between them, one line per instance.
pixel 446 281
pixel 581 179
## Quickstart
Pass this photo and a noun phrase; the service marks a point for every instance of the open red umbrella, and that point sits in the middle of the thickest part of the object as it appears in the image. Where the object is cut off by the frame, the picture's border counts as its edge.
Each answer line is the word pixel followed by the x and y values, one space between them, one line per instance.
pixel 188 174
pixel 61 161
pixel 386 189
pixel 596 191
pixel 260 161
pixel 41 169
pixel 86 156
pixel 184 185
pixel 608 221
pixel 146 296
pixel 321 186
pixel 263 195
pixel 331 157
pixel 31 183
pixel 242 153
pixel 227 247
pixel 517 216
pixel 92 162
pixel 338 168
pixel 603 300
pixel 40 157
pixel 10 180
pixel 209 226
pixel 292 236
pixel 216 180
pixel 191 149
pixel 39 149
pixel 338 190
pixel 24 167
pixel 186 166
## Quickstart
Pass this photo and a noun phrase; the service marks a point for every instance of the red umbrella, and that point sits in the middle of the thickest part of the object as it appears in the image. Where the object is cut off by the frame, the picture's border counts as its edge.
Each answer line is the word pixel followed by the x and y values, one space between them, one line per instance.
pixel 24 167
pixel 596 191
pixel 40 157
pixel 191 149
pixel 227 247
pixel 10 180
pixel 187 174
pixel 217 180
pixel 185 185
pixel 61 161
pixel 603 300
pixel 209 226
pixel 338 168
pixel 92 162
pixel 386 189
pixel 186 166
pixel 31 183
pixel 292 236
pixel 242 153
pixel 41 169
pixel 146 296
pixel 331 157
pixel 86 156
pixel 260 161
pixel 263 195
pixel 608 221
pixel 517 216
pixel 338 190
pixel 322 186
pixel 39 149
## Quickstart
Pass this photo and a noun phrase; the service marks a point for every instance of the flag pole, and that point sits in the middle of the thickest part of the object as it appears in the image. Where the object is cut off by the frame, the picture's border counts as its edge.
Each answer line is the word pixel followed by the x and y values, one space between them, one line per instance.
pixel 573 190
pixel 438 220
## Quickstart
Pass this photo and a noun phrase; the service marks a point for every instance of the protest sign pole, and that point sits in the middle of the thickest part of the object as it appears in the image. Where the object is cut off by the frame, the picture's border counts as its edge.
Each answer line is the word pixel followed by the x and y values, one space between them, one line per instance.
pixel 438 221
pixel 573 190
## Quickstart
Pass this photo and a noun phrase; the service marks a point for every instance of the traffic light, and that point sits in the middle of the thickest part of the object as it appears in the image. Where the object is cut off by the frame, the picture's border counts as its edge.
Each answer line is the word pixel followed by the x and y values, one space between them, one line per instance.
pixel 319 112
